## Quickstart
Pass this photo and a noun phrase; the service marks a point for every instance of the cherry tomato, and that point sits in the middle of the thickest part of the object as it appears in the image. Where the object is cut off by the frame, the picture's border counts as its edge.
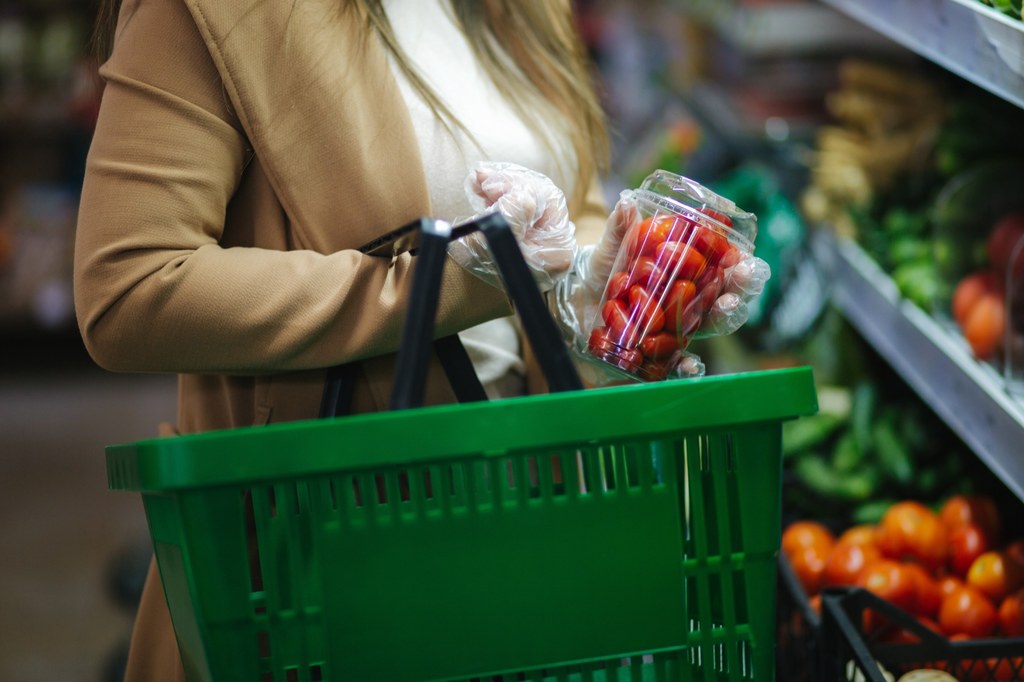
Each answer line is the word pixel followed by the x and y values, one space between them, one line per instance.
pixel 808 563
pixel 967 542
pixel 928 543
pixel 717 215
pixel 1015 550
pixel 980 510
pixel 948 583
pixel 847 561
pixel 967 611
pixel 599 340
pixel 648 273
pixel 659 346
pixel 891 581
pixel 681 315
pixel 806 533
pixel 645 237
pixel 1011 614
pixel 618 286
pixel 731 257
pixel 863 534
pixel 995 575
pixel 899 526
pixel 620 329
pixel 710 242
pixel 644 310
pixel 928 595
pixel 680 259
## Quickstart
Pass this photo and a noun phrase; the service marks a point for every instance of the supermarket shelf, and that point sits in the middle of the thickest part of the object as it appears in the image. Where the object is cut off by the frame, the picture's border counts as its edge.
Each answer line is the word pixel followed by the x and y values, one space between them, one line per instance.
pixel 963 36
pixel 966 394
pixel 790 27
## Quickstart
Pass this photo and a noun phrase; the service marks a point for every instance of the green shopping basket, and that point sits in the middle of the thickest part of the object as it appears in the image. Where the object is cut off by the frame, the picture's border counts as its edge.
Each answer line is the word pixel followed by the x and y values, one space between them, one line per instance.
pixel 622 533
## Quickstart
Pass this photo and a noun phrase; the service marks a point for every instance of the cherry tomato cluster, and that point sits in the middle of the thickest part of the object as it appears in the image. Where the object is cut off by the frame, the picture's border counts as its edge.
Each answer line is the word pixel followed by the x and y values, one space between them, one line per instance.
pixel 947 567
pixel 670 270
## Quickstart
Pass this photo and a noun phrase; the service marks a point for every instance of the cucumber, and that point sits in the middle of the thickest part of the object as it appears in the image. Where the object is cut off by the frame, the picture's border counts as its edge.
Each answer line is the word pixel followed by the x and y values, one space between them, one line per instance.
pixel 803 434
pixel 816 474
pixel 893 457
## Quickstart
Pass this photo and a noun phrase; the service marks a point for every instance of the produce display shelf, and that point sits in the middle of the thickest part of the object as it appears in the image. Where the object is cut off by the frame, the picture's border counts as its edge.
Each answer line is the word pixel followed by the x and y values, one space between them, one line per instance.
pixel 780 27
pixel 968 395
pixel 963 36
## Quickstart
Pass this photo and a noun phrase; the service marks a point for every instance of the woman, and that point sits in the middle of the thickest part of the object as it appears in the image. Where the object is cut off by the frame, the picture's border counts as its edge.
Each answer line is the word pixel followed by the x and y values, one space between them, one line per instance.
pixel 245 149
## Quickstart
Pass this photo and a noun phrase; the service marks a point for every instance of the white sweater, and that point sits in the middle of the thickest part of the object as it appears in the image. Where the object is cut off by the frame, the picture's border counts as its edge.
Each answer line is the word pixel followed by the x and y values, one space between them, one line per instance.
pixel 430 37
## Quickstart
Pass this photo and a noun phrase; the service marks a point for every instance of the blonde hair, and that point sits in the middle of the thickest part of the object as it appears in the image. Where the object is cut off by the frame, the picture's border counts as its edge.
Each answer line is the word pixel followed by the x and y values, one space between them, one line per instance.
pixel 530 48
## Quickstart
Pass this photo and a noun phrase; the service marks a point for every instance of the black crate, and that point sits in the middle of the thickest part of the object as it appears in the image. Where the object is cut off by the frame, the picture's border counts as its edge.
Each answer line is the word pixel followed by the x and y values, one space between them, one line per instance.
pixel 849 653
pixel 833 645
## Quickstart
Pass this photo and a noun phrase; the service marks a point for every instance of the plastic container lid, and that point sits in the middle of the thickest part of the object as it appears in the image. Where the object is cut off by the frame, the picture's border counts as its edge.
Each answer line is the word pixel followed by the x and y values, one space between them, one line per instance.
pixel 687 197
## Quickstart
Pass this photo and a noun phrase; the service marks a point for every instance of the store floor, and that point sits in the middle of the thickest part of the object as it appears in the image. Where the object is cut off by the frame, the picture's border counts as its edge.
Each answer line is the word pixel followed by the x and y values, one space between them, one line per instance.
pixel 63 535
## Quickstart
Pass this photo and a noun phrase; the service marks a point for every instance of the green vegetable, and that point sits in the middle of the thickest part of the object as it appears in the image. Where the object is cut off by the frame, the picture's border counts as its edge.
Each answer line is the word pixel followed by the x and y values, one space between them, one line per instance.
pixel 805 433
pixel 894 458
pixel 919 283
pixel 817 475
pixel 865 397
pixel 847 456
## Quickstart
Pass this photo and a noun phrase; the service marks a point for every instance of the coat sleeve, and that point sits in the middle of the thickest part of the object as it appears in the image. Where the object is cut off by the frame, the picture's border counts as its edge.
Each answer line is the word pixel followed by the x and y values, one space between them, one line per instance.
pixel 155 288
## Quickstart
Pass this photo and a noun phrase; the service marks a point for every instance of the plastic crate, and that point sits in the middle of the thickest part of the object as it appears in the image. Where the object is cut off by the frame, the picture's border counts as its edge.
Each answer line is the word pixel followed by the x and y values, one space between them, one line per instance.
pixel 798 631
pixel 625 533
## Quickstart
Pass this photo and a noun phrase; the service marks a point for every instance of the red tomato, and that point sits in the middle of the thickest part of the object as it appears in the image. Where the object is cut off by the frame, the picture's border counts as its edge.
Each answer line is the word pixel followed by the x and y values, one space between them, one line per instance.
pixel 618 286
pixel 985 325
pixel 1011 614
pixel 680 316
pixel 1015 550
pixel 644 311
pixel 899 526
pixel 659 346
pixel 967 542
pixel 680 260
pixel 806 533
pixel 864 534
pixel 599 340
pixel 980 510
pixel 1008 669
pixel 969 291
pixel 967 611
pixel 928 544
pixel 808 563
pixel 717 215
pixel 710 242
pixel 995 574
pixel 1002 241
pixel 620 329
pixel 648 273
pixel 731 257
pixel 948 583
pixel 645 237
pixel 847 561
pixel 891 581
pixel 928 594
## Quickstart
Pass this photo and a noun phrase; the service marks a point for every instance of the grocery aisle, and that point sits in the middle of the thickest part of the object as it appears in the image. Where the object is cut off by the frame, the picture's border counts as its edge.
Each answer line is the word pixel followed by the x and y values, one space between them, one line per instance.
pixel 61 531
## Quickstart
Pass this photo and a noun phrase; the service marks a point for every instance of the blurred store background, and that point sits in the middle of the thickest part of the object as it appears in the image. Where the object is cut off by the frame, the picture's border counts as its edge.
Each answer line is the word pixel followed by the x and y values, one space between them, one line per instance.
pixel 879 142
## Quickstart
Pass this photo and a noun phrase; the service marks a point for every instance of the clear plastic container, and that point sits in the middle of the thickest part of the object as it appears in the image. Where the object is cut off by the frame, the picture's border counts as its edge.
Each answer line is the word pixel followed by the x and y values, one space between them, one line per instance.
pixel 669 271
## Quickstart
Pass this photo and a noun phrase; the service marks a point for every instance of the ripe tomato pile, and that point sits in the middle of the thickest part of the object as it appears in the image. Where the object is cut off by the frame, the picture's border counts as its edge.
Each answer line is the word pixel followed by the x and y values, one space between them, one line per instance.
pixel 669 273
pixel 949 567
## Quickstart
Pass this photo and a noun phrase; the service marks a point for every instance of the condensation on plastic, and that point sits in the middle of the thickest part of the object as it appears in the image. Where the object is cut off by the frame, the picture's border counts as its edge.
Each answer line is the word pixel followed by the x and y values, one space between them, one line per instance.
pixel 536 211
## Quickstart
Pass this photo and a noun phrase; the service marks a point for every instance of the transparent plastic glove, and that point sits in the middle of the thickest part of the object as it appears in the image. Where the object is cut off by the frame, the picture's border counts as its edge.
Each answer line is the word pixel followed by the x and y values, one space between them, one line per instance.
pixel 744 282
pixel 536 211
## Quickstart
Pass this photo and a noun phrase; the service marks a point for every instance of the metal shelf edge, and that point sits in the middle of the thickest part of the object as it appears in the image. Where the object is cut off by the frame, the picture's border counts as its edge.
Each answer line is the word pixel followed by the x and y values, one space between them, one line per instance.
pixel 953 35
pixel 967 394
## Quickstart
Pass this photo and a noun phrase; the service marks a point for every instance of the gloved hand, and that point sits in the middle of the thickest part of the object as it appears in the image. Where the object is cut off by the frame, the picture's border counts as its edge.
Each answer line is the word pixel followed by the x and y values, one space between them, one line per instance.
pixel 537 213
pixel 576 299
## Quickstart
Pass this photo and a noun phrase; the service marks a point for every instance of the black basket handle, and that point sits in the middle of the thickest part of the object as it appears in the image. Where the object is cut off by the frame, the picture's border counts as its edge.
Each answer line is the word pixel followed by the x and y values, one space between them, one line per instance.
pixel 430 246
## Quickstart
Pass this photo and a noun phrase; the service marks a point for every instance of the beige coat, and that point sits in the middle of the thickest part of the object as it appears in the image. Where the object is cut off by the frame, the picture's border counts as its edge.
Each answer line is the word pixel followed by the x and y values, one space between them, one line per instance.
pixel 244 148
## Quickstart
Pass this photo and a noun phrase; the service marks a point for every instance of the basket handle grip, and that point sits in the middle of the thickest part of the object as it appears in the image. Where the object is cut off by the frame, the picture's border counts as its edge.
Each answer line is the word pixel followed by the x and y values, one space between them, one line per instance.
pixel 431 249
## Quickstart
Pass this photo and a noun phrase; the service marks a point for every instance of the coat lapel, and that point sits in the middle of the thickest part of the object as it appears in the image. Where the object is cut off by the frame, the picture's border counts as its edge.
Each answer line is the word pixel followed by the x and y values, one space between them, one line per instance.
pixel 313 89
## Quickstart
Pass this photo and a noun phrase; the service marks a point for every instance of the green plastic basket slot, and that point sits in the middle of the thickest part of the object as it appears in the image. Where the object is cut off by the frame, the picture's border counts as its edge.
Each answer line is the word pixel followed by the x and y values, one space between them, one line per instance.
pixel 625 533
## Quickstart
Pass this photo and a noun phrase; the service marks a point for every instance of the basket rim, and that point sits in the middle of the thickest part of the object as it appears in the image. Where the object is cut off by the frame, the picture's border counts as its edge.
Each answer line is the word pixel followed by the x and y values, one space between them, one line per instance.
pixel 445 433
